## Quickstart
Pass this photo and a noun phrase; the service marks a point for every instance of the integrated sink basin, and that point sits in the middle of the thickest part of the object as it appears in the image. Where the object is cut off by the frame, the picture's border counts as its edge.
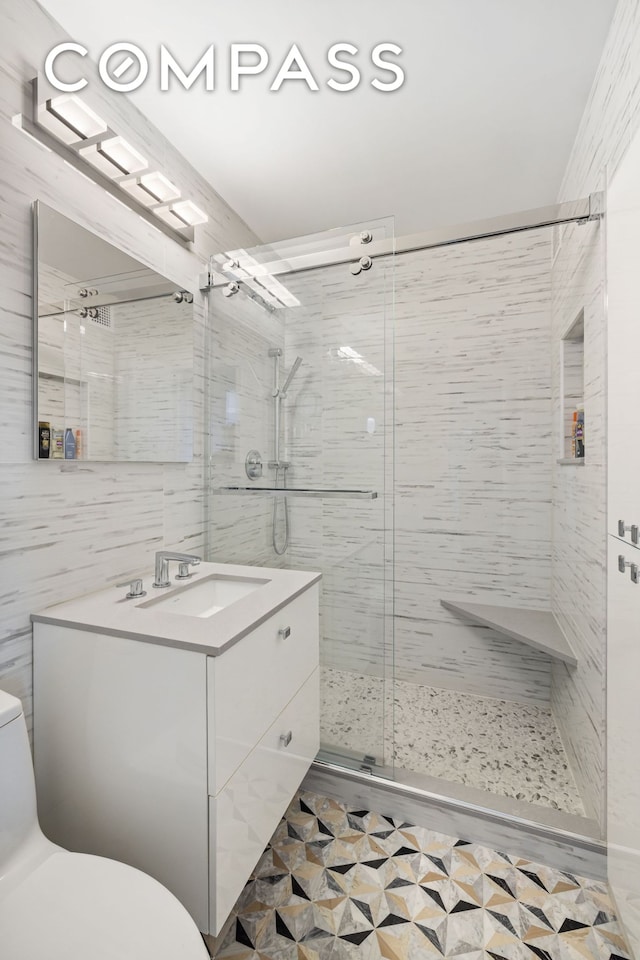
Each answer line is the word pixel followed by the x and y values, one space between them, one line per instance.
pixel 205 597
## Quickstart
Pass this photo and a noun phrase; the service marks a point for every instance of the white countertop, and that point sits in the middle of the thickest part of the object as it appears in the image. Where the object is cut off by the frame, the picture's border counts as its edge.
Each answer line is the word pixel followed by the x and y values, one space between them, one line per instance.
pixel 107 611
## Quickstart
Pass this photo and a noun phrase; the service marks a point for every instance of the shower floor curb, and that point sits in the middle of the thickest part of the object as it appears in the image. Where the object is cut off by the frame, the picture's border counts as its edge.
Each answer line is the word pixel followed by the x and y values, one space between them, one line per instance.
pixel 563 849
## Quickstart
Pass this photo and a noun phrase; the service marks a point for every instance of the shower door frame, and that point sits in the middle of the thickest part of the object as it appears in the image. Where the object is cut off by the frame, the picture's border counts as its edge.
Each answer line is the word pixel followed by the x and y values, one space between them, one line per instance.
pixel 571 211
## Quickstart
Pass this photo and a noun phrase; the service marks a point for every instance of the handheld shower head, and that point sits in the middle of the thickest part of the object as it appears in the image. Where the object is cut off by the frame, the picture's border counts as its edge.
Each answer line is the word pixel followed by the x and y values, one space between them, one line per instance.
pixel 292 373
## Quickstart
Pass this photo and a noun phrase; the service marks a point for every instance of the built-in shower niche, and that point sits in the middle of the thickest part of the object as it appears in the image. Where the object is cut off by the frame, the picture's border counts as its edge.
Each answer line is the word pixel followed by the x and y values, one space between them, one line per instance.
pixel 572 387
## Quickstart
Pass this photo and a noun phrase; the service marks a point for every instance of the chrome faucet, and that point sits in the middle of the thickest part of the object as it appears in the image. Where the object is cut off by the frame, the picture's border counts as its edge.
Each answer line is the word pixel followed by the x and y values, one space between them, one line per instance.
pixel 162 565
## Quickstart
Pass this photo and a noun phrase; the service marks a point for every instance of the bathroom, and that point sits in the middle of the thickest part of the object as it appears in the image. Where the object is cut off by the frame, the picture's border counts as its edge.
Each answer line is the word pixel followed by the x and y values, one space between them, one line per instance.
pixel 386 388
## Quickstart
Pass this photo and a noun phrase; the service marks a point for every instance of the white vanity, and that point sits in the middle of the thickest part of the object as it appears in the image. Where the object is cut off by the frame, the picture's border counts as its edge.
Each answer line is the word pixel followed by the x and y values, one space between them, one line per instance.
pixel 171 730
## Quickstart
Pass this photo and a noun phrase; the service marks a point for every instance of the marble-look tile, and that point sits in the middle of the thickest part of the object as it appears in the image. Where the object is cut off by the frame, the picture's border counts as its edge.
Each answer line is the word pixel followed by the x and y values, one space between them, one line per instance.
pixel 240 419
pixel 70 528
pixel 153 380
pixel 340 883
pixel 473 458
pixel 611 116
pixel 512 749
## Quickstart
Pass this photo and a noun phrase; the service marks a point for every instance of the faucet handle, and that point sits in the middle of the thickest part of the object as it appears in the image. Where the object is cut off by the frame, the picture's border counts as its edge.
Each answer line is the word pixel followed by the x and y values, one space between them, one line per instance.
pixel 136 588
pixel 183 569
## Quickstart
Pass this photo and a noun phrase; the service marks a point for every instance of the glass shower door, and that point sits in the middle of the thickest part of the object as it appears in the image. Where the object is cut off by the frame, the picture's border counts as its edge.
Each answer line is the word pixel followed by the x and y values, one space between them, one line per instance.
pixel 301 381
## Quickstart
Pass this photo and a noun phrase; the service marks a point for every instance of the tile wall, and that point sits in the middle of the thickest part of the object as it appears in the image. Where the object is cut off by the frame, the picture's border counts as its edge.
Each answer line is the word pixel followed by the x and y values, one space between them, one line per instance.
pixel 66 528
pixel 473 422
pixel 579 576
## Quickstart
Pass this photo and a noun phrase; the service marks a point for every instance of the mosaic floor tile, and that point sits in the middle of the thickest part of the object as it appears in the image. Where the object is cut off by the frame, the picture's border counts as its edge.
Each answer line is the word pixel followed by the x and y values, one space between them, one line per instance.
pixel 338 883
pixel 512 749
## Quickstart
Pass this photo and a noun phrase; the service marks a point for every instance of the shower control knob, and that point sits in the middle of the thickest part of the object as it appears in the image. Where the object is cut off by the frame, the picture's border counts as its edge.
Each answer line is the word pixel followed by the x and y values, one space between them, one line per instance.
pixel 284 632
pixel 253 465
pixel 366 236
pixel 231 289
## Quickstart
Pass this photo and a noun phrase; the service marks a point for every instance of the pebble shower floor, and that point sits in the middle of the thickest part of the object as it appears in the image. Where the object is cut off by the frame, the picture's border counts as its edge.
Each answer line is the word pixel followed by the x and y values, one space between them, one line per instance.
pixel 512 749
pixel 336 883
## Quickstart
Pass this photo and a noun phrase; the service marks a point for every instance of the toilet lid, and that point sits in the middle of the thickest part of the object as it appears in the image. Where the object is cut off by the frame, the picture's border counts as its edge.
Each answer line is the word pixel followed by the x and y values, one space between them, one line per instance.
pixel 74 906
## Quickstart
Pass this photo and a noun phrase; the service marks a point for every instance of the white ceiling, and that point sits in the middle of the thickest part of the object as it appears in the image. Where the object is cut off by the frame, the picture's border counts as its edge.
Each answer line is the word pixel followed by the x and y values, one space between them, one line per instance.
pixel 483 125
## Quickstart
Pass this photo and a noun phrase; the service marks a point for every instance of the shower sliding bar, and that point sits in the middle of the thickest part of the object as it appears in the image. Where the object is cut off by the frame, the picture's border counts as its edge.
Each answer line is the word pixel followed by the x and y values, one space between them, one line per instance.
pixel 290 261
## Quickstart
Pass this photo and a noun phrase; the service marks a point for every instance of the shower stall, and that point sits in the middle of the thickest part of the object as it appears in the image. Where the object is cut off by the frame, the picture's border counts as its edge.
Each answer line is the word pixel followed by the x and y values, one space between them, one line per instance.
pixel 397 413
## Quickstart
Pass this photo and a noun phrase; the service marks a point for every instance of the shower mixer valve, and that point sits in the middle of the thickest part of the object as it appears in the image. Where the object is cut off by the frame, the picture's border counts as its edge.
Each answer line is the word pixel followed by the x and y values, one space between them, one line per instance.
pixel 253 465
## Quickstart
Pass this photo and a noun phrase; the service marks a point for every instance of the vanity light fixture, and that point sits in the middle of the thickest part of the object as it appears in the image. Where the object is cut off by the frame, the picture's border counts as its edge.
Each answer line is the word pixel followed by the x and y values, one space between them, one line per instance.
pixel 151 188
pixel 159 187
pixel 187 211
pixel 69 119
pixel 70 128
pixel 182 214
pixel 114 157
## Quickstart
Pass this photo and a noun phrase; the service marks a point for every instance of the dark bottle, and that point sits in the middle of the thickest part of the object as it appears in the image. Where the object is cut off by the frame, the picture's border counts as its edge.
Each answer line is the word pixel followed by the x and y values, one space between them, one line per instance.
pixel 580 434
pixel 44 440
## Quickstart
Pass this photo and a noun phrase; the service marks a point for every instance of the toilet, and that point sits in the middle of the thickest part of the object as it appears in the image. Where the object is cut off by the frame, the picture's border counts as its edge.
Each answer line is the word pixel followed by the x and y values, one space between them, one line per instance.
pixel 72 906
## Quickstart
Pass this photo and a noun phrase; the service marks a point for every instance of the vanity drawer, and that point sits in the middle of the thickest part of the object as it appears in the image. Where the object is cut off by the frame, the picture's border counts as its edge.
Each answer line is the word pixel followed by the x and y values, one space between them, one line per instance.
pixel 243 817
pixel 250 684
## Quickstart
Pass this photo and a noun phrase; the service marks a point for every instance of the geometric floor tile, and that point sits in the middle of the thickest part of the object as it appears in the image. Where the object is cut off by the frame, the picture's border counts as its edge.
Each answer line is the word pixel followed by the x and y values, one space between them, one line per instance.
pixel 342 884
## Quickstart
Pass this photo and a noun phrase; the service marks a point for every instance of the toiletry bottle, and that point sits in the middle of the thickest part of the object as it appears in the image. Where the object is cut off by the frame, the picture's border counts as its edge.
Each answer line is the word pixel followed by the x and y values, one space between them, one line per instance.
pixel 78 444
pixel 580 433
pixel 44 440
pixel 574 427
pixel 69 444
pixel 57 443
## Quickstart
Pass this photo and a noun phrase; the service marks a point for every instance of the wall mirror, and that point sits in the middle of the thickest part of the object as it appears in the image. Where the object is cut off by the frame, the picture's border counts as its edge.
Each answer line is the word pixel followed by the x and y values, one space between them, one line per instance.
pixel 113 351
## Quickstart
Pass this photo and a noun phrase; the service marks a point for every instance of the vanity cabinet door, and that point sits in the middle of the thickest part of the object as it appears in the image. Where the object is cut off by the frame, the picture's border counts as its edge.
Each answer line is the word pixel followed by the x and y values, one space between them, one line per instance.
pixel 250 684
pixel 121 753
pixel 243 817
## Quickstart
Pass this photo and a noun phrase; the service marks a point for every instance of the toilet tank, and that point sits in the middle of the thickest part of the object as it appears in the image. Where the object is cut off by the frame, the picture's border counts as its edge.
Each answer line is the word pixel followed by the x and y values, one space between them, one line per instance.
pixel 18 816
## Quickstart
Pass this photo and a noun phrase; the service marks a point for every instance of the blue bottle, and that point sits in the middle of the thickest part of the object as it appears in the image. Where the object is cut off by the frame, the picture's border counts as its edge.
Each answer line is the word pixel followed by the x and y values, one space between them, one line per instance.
pixel 69 444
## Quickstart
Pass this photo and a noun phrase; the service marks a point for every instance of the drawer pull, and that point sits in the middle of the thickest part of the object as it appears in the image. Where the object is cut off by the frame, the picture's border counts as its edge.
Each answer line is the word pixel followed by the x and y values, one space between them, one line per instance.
pixel 284 632
pixel 623 528
pixel 286 738
pixel 635 569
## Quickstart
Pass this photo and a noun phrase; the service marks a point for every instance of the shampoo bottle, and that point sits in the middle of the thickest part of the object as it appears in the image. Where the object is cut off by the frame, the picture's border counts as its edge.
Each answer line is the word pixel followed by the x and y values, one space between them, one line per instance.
pixel 44 440
pixel 69 444
pixel 580 434
pixel 57 443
